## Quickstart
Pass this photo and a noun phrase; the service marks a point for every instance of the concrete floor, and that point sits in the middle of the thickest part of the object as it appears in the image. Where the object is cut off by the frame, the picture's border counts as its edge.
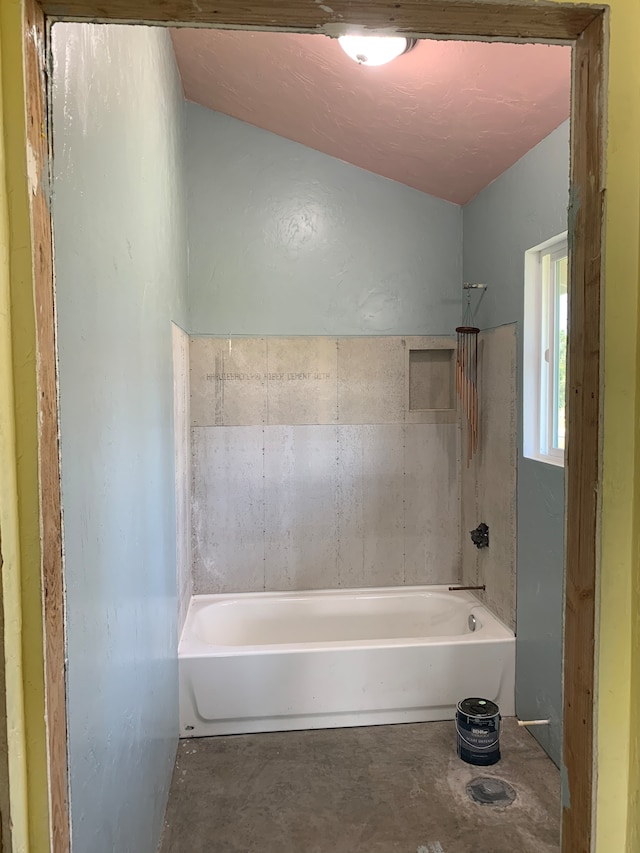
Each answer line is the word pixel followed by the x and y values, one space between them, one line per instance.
pixel 384 789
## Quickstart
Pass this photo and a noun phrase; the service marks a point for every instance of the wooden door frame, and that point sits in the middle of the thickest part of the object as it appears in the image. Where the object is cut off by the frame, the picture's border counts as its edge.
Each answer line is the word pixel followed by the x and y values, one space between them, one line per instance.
pixel 581 26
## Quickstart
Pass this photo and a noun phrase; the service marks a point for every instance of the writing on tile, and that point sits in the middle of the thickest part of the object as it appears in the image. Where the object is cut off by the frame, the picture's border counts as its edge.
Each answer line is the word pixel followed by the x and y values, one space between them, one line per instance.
pixel 234 377
pixel 268 377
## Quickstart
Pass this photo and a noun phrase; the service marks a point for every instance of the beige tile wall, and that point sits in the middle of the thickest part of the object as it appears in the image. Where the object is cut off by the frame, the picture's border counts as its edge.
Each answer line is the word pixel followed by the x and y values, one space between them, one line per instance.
pixel 300 484
pixel 228 509
pixel 307 380
pixel 228 381
pixel 303 507
pixel 431 501
pixel 302 381
pixel 489 484
pixel 306 473
pixel 371 380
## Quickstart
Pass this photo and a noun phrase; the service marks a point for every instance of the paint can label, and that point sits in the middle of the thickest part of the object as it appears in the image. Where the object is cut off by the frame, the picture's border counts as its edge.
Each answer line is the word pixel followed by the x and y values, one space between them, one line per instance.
pixel 478 732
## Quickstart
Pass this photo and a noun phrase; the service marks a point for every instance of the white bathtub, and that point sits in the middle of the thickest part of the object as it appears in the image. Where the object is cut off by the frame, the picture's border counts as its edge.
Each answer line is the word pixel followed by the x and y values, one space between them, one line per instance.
pixel 258 662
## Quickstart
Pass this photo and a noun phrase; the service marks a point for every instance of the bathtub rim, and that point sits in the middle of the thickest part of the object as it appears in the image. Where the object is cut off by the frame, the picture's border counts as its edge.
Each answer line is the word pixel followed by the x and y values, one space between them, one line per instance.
pixel 493 630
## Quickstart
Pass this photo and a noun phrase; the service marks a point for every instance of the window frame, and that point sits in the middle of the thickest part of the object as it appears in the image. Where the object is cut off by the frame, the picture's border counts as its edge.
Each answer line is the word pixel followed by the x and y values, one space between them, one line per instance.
pixel 540 354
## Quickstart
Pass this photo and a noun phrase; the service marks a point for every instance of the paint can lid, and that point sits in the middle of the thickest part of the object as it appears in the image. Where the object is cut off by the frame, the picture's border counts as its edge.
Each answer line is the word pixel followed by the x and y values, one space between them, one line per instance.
pixel 476 707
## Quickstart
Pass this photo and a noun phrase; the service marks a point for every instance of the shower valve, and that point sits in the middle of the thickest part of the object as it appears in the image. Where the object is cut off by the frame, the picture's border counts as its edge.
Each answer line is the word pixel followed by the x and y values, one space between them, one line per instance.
pixel 480 536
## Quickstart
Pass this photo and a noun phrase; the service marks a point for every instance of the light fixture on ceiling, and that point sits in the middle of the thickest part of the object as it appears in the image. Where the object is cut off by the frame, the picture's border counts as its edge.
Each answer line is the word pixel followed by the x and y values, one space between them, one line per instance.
pixel 375 50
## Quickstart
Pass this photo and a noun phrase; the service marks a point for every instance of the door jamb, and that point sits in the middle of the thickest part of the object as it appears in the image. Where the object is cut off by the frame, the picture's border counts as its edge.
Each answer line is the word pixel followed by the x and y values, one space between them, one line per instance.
pixel 583 26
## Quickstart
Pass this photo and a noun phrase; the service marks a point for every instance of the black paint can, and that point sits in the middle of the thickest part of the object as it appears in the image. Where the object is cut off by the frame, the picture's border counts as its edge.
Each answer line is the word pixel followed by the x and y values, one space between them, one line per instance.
pixel 478 728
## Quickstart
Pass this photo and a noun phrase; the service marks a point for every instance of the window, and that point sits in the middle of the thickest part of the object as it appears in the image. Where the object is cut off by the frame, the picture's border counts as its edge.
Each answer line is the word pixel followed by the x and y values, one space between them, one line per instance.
pixel 545 350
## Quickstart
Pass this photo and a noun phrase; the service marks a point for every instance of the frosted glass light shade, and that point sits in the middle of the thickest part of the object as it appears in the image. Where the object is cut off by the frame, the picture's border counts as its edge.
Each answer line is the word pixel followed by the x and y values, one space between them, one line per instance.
pixel 374 50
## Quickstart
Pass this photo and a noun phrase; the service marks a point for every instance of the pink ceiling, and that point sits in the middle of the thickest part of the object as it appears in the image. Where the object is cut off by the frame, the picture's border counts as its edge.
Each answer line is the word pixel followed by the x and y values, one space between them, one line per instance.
pixel 446 118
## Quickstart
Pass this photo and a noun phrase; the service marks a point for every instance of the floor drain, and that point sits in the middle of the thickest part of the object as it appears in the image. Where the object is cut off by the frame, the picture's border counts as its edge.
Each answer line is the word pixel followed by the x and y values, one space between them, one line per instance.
pixel 490 791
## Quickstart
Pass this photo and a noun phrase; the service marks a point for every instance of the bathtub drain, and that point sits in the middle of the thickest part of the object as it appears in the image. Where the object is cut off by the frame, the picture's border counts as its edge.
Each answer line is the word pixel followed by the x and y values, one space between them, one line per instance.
pixel 489 791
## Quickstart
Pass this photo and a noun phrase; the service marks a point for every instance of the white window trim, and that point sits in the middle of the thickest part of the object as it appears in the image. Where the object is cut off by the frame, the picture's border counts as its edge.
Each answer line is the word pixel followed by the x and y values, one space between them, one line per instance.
pixel 537 413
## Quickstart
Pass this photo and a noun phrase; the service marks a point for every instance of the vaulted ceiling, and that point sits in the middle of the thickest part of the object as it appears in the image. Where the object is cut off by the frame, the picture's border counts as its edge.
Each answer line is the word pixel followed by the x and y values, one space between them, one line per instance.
pixel 446 118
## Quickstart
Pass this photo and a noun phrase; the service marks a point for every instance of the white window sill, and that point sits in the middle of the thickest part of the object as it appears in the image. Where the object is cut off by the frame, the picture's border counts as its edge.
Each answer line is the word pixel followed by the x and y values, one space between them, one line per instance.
pixel 556 461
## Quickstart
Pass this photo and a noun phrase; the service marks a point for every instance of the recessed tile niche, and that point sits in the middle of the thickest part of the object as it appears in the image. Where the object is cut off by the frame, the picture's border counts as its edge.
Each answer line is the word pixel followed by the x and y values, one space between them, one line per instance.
pixel 430 379
pixel 430 383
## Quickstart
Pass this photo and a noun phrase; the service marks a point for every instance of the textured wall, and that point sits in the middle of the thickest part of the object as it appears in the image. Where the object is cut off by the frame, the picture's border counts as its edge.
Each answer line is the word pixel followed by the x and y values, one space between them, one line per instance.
pixel 489 483
pixel 526 205
pixel 284 240
pixel 120 271
pixel 182 439
pixel 310 470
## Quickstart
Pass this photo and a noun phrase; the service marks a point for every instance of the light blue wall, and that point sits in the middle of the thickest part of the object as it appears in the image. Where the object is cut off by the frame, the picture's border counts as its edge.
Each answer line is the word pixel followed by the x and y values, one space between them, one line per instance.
pixel 524 207
pixel 120 257
pixel 284 240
